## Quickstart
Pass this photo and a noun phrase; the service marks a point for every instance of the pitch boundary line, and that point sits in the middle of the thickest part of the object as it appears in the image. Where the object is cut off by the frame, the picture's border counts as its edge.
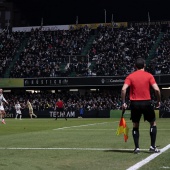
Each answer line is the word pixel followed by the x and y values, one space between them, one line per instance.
pixel 67 127
pixel 148 159
pixel 85 149
pixel 104 129
pixel 93 149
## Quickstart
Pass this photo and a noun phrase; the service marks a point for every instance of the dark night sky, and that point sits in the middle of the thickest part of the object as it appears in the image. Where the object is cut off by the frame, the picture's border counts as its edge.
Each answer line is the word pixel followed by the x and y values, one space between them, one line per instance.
pixel 58 12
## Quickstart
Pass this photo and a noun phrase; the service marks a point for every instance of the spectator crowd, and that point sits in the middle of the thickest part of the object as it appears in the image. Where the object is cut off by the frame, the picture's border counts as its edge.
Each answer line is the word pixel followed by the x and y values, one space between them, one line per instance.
pixel 59 53
pixel 98 100
pixel 46 51
pixel 9 46
pixel 115 50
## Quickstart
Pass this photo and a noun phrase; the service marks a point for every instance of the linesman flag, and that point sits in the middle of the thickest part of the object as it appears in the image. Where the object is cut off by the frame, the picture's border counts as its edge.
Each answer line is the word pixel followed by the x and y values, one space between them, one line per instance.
pixel 123 128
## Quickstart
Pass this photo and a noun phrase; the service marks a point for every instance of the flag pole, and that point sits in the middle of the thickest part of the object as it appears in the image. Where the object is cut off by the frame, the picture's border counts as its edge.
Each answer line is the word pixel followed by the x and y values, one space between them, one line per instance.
pixel 105 16
pixel 149 20
pixel 8 26
pixel 112 18
pixel 112 22
pixel 123 111
pixel 41 22
pixel 77 20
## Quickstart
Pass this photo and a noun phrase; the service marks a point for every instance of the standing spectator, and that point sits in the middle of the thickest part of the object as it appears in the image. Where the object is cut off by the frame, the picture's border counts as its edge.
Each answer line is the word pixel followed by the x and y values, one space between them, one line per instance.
pixel 140 83
pixel 59 107
pixel 31 112
pixel 2 110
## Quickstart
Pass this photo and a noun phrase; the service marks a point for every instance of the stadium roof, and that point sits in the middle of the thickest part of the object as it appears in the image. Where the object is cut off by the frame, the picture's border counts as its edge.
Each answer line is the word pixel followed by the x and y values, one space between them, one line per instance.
pixel 58 12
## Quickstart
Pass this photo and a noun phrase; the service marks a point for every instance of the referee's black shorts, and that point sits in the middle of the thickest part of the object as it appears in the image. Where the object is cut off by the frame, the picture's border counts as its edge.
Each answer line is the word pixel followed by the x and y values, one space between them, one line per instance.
pixel 144 107
pixel 60 109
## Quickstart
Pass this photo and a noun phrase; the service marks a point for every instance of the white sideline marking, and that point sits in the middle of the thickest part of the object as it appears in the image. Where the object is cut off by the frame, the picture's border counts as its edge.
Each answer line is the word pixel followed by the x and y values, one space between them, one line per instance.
pixel 165 167
pixel 80 126
pixel 68 127
pixel 103 129
pixel 85 149
pixel 148 159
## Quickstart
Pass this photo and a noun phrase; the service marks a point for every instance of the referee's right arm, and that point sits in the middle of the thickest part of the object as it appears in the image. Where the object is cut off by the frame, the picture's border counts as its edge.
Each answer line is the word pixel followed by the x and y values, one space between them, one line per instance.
pixel 123 95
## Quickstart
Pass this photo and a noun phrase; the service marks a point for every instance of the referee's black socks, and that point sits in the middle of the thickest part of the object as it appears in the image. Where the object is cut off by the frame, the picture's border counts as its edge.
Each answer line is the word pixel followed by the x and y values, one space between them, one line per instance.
pixel 135 134
pixel 153 132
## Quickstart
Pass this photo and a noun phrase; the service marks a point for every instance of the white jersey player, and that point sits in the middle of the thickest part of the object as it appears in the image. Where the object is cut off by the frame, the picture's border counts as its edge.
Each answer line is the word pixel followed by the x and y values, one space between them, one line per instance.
pixel 18 110
pixel 2 110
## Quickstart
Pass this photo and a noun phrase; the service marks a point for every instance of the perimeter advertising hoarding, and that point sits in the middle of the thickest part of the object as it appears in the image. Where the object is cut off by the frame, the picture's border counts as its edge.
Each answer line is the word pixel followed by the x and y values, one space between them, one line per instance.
pixel 73 82
pixel 164 114
pixel 66 27
pixel 96 25
pixel 86 81
pixel 86 114
pixel 11 82
pixel 70 114
pixel 118 114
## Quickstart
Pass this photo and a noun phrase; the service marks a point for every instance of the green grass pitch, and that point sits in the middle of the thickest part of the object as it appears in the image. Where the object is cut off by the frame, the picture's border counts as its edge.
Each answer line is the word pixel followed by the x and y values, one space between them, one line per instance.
pixel 77 144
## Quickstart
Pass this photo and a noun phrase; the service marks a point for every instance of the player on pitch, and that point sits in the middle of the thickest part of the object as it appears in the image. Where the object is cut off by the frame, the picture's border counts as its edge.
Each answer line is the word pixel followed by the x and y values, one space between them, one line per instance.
pixel 31 111
pixel 140 82
pixel 18 110
pixel 2 110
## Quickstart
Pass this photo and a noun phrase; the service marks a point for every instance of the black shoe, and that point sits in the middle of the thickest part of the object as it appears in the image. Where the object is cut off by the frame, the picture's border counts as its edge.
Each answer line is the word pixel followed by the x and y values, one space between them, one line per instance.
pixel 136 151
pixel 154 149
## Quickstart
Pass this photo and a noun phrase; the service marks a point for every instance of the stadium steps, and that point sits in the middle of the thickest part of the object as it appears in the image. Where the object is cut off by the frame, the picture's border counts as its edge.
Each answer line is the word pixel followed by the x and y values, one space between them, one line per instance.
pixel 16 57
pixel 85 52
pixel 92 65
pixel 62 67
pixel 152 51
pixel 88 45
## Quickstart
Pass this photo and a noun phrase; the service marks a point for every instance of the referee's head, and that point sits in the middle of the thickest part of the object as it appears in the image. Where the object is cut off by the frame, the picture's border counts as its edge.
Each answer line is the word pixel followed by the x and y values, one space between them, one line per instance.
pixel 140 63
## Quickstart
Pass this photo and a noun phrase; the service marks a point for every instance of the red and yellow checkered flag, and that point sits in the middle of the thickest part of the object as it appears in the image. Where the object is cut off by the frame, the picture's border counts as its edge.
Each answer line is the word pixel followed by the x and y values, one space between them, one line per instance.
pixel 123 128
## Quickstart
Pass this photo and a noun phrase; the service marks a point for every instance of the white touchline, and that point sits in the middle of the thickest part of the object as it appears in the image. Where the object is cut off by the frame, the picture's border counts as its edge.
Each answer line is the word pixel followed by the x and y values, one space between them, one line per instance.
pixel 69 128
pixel 85 149
pixel 80 126
pixel 148 159
pixel 165 167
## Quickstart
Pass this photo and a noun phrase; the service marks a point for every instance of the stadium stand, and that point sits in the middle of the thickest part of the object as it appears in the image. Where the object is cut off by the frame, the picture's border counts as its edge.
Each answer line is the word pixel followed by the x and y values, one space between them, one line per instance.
pixel 46 52
pixel 160 62
pixel 115 50
pixel 9 46
pixel 106 51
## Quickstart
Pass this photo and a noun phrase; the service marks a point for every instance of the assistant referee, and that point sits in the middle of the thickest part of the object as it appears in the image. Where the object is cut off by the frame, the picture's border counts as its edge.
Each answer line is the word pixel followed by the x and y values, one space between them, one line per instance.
pixel 140 82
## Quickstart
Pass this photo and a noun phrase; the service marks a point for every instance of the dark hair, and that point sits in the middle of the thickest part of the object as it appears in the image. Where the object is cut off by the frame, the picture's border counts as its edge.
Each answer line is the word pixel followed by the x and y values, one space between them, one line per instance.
pixel 140 63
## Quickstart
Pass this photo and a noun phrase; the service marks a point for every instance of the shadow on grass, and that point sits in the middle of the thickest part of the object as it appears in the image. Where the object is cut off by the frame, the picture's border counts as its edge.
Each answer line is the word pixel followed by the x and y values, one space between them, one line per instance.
pixel 130 150
pixel 127 151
